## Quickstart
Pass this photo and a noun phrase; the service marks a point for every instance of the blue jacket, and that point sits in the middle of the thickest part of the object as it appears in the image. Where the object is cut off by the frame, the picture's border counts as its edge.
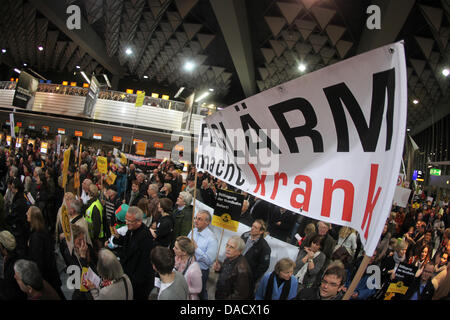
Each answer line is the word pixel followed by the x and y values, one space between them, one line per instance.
pixel 363 292
pixel 261 291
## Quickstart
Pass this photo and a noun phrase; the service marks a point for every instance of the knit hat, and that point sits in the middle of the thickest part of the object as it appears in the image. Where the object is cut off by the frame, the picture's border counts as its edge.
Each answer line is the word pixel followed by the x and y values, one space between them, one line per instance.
pixel 7 240
pixel 121 212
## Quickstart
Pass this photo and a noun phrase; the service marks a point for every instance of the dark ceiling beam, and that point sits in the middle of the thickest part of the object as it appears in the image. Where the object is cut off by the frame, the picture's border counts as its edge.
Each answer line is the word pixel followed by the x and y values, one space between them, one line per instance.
pixel 85 37
pixel 393 16
pixel 439 112
pixel 233 21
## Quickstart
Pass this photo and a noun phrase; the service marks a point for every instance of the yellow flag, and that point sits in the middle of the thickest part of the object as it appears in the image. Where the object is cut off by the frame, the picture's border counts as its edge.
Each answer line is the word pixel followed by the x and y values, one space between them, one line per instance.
pixel 66 166
pixel 140 99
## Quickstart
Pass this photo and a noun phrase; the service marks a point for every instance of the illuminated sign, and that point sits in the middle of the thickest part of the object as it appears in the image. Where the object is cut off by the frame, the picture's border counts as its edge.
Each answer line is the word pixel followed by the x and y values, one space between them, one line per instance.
pixel 130 91
pixel 46 128
pixel 117 139
pixel 78 133
pixel 435 172
pixel 97 136
pixel 61 131
pixel 165 97
pixel 31 127
pixel 65 83
pixel 155 95
pixel 158 145
pixel 73 84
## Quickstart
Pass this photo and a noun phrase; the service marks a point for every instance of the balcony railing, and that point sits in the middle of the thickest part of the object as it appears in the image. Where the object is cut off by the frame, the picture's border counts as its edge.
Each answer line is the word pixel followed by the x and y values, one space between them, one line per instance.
pixel 111 95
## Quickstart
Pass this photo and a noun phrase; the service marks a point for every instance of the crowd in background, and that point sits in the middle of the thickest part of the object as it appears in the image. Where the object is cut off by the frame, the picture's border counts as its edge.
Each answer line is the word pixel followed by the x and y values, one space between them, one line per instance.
pixel 141 226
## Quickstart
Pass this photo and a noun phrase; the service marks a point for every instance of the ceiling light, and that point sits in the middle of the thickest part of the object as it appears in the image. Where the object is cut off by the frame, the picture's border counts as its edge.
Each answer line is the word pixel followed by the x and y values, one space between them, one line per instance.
pixel 202 96
pixel 301 67
pixel 211 89
pixel 415 101
pixel 85 77
pixel 24 64
pixel 128 51
pixel 145 77
pixel 107 80
pixel 16 70
pixel 3 50
pixel 178 92
pixel 189 66
pixel 408 129
pixel 78 67
pixel 446 72
pixel 40 48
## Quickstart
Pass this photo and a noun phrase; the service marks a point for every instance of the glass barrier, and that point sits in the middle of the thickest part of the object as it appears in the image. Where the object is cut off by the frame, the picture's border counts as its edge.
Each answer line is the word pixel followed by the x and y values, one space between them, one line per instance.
pixel 112 95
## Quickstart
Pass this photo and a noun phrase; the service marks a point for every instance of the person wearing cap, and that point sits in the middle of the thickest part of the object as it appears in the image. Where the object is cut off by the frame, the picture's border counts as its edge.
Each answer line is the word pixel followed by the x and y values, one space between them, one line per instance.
pixel 9 289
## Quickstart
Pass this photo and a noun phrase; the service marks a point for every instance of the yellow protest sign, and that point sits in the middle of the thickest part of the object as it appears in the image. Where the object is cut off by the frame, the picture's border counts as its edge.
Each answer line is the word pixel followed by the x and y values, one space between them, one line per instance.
pixel 140 99
pixel 65 223
pixel 123 159
pixel 141 148
pixel 76 180
pixel 102 165
pixel 66 166
pixel 228 210
pixel 83 288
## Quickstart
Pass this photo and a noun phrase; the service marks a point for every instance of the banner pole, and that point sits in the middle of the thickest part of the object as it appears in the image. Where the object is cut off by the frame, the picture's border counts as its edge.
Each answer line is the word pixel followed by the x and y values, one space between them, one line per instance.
pixel 362 268
pixel 220 243
pixel 193 208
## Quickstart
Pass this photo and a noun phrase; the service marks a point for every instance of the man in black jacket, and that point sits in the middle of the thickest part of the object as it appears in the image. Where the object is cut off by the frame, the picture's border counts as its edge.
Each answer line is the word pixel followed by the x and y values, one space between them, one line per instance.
pixel 17 217
pixel 421 288
pixel 135 259
pixel 281 222
pixel 257 250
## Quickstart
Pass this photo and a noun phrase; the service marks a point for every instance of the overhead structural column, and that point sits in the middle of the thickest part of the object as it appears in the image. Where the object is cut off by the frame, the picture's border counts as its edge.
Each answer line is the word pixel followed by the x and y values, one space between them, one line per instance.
pixel 85 37
pixel 393 16
pixel 232 18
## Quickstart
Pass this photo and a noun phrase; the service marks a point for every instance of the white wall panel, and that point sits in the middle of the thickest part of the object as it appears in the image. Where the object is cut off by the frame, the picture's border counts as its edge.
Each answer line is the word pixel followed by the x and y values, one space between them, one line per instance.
pixel 106 110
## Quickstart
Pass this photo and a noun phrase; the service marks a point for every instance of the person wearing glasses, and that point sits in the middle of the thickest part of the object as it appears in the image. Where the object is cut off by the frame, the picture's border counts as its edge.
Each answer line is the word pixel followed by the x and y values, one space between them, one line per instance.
pixel 422 288
pixel 135 255
pixel 331 286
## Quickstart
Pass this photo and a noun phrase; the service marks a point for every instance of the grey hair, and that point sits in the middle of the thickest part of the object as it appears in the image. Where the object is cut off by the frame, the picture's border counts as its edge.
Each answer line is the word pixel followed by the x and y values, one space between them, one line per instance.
pixel 186 196
pixel 76 205
pixel 240 243
pixel 154 187
pixel 136 212
pixel 14 170
pixel 207 214
pixel 27 183
pixel 108 267
pixel 38 170
pixel 29 273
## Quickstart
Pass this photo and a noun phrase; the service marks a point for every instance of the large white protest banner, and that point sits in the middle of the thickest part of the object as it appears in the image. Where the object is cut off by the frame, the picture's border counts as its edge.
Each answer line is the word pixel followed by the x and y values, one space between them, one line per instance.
pixel 329 142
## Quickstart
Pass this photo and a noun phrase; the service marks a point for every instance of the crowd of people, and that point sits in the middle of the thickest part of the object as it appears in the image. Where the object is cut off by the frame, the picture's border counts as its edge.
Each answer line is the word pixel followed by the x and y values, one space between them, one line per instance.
pixel 139 239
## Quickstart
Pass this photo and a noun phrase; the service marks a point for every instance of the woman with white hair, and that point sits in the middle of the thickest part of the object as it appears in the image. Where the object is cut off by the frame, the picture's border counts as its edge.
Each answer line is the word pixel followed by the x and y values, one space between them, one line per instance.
pixel 115 283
